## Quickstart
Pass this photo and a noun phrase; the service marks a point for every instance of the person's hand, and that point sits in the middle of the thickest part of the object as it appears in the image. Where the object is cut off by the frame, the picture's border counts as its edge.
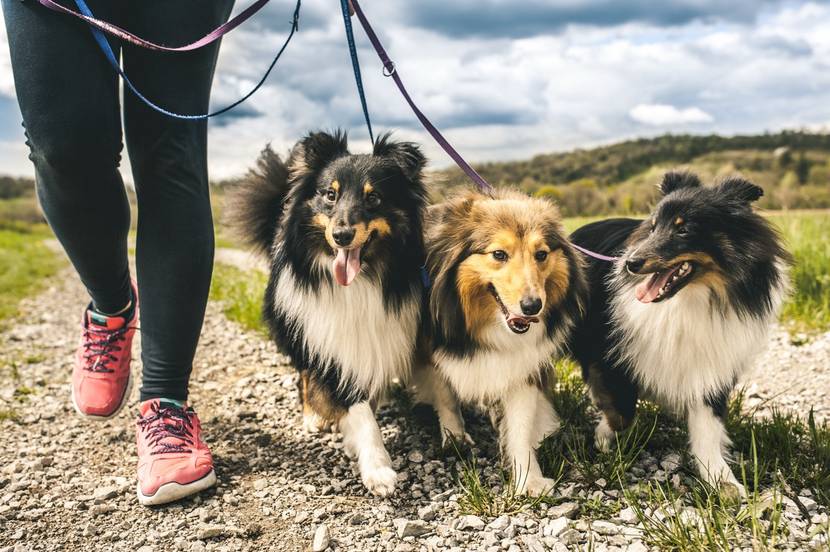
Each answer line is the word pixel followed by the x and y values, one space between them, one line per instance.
pixel 351 8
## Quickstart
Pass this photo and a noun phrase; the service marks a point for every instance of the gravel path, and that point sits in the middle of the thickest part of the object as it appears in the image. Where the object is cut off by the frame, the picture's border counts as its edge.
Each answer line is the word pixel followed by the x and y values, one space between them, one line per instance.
pixel 67 484
pixel 792 377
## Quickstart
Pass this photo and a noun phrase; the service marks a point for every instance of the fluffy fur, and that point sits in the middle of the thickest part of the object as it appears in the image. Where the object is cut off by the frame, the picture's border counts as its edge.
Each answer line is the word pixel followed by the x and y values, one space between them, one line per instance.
pixel 507 287
pixel 344 234
pixel 683 312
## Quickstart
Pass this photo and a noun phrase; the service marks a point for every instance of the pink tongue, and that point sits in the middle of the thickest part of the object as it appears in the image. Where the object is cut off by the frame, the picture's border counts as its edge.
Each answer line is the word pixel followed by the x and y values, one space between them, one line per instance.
pixel 346 265
pixel 527 319
pixel 648 289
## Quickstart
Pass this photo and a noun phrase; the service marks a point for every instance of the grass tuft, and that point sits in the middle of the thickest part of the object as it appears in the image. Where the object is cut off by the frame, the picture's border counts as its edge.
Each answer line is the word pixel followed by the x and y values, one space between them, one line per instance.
pixel 701 518
pixel 806 236
pixel 480 498
pixel 789 446
pixel 8 414
pixel 25 263
pixel 241 294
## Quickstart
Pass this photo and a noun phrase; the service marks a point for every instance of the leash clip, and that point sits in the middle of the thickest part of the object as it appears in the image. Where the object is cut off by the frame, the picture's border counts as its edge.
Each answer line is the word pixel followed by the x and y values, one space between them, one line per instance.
pixel 425 279
pixel 389 68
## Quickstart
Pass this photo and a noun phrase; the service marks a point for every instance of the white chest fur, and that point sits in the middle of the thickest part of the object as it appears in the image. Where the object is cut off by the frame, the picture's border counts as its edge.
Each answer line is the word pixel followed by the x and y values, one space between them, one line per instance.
pixel 351 327
pixel 683 350
pixel 502 362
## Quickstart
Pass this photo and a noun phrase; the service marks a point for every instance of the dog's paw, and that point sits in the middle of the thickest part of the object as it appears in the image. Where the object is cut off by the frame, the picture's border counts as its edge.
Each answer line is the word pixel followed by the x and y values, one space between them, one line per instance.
pixel 450 439
pixel 604 437
pixel 312 423
pixel 380 480
pixel 536 486
pixel 732 490
pixel 728 486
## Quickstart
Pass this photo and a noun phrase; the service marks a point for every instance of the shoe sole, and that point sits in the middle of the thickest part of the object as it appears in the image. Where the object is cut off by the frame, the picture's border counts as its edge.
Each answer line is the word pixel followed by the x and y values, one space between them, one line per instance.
pixel 170 492
pixel 97 418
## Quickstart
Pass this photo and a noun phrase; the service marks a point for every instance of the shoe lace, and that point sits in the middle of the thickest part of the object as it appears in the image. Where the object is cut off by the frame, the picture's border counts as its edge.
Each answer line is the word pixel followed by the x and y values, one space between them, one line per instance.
pixel 100 346
pixel 168 429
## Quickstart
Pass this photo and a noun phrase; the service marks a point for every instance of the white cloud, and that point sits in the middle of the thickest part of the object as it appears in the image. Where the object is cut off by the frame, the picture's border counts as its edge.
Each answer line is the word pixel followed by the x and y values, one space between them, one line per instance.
pixel 665 115
pixel 6 80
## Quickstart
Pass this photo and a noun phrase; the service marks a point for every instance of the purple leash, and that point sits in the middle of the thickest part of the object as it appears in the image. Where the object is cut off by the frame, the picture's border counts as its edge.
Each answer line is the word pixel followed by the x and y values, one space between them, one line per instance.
pixel 595 255
pixel 390 71
pixel 127 36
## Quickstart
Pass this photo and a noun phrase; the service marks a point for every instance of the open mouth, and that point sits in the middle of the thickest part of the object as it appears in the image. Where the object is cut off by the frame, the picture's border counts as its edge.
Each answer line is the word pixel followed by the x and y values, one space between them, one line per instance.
pixel 517 324
pixel 664 283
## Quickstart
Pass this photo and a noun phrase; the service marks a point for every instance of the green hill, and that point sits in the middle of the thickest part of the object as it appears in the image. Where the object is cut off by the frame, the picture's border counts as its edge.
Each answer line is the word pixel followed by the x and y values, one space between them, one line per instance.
pixel 793 167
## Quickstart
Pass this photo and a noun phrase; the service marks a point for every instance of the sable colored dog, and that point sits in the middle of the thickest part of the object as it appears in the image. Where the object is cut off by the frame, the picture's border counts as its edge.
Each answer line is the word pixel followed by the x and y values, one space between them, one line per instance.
pixel 507 287
pixel 344 234
pixel 683 312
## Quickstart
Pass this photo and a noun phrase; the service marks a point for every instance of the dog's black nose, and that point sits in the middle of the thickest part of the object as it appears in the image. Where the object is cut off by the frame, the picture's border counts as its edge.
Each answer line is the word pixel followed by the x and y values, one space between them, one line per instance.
pixel 343 235
pixel 635 265
pixel 530 305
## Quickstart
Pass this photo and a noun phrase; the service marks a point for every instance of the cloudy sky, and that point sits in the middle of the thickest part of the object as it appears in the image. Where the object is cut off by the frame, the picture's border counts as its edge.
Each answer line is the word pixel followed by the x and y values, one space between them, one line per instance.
pixel 507 79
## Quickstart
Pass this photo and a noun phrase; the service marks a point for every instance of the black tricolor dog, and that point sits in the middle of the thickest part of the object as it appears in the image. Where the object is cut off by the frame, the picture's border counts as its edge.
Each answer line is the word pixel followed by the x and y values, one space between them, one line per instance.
pixel 684 311
pixel 344 236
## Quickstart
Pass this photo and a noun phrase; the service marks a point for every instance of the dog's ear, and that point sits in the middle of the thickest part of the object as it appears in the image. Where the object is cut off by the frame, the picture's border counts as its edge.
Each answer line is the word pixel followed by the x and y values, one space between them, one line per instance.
pixel 317 150
pixel 676 180
pixel 406 155
pixel 448 247
pixel 741 190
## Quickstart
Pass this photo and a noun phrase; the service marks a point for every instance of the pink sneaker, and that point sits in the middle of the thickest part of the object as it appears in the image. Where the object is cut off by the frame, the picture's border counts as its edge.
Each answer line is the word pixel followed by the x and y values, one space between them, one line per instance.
pixel 101 379
pixel 173 461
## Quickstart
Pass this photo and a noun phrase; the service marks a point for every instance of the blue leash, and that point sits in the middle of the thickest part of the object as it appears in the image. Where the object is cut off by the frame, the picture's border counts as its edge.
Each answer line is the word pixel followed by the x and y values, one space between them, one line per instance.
pixel 347 20
pixel 101 39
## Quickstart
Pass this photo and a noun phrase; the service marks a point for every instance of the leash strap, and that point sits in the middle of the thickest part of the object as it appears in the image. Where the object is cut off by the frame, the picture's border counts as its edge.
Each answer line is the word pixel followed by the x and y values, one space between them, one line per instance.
pixel 358 78
pixel 390 71
pixel 101 39
pixel 127 36
pixel 594 255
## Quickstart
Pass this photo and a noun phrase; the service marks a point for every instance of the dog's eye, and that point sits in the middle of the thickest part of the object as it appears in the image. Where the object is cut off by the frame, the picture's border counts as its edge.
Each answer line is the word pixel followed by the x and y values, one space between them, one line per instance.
pixel 500 255
pixel 682 230
pixel 330 194
pixel 540 256
pixel 373 200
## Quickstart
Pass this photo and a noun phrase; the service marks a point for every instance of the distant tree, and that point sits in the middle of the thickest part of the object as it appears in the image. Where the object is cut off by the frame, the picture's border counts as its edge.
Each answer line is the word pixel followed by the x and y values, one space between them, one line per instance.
pixel 787 192
pixel 11 187
pixel 549 191
pixel 784 156
pixel 802 168
pixel 820 175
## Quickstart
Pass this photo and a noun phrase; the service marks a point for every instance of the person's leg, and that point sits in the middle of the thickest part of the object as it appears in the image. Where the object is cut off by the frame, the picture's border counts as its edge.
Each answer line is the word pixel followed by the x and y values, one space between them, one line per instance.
pixel 68 96
pixel 174 249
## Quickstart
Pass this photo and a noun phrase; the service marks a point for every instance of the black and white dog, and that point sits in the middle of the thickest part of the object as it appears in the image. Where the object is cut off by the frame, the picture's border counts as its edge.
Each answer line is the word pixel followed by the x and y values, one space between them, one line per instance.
pixel 683 312
pixel 344 237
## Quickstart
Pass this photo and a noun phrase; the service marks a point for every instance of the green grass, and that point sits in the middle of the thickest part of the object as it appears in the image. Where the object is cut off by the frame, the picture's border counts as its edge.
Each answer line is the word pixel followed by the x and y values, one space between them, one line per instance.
pixel 25 263
pixel 241 294
pixel 478 497
pixel 808 238
pixel 776 458
pixel 700 518
pixel 572 223
pixel 792 448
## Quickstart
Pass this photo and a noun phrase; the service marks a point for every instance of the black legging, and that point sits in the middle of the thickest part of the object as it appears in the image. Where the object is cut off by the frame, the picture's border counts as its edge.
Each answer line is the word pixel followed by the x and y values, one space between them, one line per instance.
pixel 69 98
